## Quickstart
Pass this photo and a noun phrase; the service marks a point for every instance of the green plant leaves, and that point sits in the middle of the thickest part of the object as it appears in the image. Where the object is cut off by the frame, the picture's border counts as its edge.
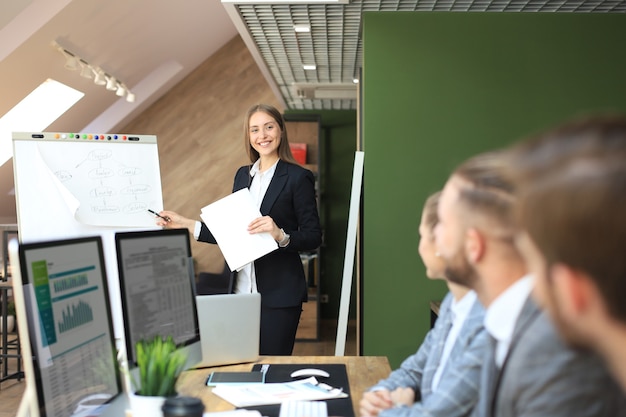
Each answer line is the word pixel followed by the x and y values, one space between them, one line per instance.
pixel 160 365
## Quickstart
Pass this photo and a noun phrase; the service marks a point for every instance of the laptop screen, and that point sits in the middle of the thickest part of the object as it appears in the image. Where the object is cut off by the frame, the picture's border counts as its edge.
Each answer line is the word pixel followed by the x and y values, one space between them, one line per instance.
pixel 158 287
pixel 70 325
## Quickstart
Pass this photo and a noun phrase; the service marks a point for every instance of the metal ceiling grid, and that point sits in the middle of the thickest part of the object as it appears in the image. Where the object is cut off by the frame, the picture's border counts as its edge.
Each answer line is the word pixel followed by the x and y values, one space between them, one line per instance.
pixel 334 42
pixel 332 45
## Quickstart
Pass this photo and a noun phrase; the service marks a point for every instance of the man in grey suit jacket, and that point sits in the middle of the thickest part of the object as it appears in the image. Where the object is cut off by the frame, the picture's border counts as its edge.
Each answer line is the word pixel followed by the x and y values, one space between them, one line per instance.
pixel 541 377
pixel 575 176
pixel 528 371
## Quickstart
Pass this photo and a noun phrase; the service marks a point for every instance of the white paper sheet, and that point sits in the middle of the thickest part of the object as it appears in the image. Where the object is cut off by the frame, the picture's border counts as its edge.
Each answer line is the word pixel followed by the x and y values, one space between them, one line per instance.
pixel 233 413
pixel 228 220
pixel 102 184
pixel 274 393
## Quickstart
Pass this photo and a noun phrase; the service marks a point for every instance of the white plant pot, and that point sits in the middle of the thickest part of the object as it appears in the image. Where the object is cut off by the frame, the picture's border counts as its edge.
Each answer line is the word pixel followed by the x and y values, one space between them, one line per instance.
pixel 146 406
pixel 10 324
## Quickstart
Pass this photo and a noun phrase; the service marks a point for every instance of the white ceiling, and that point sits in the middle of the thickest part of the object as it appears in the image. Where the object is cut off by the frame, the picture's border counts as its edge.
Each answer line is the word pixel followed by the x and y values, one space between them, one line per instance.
pixel 148 44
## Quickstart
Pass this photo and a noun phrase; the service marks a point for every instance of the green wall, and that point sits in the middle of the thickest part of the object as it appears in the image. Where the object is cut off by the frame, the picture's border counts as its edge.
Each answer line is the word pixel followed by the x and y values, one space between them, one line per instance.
pixel 440 87
pixel 337 147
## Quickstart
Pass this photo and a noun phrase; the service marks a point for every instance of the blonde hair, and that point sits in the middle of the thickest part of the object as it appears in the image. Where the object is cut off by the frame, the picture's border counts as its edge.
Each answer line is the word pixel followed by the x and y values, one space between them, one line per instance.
pixel 429 212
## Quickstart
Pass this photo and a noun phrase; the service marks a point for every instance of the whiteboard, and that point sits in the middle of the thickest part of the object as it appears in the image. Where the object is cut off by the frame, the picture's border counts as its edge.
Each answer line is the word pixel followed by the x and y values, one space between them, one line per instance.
pixel 67 185
pixel 76 184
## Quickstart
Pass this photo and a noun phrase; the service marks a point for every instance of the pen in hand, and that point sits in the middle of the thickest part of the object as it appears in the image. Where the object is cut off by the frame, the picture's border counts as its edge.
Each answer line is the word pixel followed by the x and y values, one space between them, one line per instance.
pixel 167 219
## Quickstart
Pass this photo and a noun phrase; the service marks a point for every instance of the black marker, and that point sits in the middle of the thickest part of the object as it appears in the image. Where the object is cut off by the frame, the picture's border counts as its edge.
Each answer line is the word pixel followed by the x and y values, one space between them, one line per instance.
pixel 167 219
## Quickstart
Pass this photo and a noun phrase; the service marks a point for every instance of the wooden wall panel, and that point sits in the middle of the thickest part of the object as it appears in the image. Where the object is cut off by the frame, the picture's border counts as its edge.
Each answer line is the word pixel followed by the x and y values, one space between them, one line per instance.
pixel 199 126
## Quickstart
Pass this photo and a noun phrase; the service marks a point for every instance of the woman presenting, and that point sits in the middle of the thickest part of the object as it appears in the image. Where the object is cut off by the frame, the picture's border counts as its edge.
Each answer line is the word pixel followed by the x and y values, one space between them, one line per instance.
pixel 285 194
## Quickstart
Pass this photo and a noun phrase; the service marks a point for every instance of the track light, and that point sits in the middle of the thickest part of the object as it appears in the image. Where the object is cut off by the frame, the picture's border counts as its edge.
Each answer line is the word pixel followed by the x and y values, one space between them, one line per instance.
pixel 71 63
pixel 74 62
pixel 121 90
pixel 85 70
pixel 99 77
pixel 111 84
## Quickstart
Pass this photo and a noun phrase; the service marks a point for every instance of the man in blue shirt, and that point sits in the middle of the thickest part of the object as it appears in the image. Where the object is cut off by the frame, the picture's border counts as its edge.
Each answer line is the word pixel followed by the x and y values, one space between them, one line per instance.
pixel 441 378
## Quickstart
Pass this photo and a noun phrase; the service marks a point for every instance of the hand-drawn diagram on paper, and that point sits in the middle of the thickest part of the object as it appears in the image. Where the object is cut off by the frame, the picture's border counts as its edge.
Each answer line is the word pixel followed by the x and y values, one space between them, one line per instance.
pixel 111 184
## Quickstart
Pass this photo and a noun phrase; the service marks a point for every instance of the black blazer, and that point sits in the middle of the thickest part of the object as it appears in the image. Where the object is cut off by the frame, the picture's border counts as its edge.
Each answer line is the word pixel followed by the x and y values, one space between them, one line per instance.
pixel 290 201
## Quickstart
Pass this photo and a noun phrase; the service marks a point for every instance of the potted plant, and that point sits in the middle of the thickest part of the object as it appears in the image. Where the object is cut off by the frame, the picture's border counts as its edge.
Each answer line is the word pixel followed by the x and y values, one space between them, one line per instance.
pixel 160 364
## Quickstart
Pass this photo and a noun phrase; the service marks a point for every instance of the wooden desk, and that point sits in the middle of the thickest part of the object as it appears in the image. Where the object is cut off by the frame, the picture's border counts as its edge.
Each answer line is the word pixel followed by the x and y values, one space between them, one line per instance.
pixel 363 372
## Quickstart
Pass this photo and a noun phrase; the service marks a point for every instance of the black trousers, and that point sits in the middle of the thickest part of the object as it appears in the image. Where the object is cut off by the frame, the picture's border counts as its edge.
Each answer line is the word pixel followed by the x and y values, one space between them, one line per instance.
pixel 278 330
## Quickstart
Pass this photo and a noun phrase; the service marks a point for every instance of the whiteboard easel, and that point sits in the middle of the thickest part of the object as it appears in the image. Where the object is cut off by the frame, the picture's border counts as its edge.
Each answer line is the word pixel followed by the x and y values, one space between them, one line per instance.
pixel 70 185
pixel 348 263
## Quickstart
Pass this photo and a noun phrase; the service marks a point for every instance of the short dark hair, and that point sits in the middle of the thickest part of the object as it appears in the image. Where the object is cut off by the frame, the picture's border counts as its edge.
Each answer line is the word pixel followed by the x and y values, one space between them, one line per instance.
pixel 571 184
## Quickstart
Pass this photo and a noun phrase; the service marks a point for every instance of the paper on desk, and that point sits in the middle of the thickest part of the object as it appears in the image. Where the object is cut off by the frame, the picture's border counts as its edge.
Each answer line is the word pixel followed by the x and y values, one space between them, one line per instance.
pixel 233 413
pixel 275 393
pixel 228 220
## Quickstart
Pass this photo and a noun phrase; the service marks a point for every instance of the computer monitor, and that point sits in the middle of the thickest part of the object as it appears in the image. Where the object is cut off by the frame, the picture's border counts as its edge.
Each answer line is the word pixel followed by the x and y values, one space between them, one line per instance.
pixel 70 355
pixel 157 284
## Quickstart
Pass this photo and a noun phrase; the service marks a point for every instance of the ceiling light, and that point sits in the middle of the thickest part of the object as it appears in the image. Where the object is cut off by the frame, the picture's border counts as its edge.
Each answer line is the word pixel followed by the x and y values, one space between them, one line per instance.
pixel 85 70
pixel 111 84
pixel 121 90
pixel 309 67
pixel 71 63
pixel 302 28
pixel 74 62
pixel 99 78
pixel 342 91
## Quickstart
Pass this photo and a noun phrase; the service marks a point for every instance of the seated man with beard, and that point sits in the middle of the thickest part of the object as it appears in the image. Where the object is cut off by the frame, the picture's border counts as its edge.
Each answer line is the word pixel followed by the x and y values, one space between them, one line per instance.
pixel 575 176
pixel 441 378
pixel 528 371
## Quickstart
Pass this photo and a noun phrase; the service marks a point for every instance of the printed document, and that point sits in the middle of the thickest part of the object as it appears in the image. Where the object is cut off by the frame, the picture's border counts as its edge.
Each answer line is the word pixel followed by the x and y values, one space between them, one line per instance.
pixel 228 220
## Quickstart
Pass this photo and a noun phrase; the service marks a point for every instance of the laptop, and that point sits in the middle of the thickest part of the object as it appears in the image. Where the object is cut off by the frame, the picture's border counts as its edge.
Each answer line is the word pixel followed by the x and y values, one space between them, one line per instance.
pixel 230 327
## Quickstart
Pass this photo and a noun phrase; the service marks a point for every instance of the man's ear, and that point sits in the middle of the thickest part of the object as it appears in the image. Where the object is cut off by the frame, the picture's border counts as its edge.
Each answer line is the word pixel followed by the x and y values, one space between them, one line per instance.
pixel 474 245
pixel 573 288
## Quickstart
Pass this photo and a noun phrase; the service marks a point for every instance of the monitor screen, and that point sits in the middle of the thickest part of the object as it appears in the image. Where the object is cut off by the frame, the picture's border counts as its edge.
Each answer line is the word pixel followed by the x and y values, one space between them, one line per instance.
pixel 157 283
pixel 70 325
